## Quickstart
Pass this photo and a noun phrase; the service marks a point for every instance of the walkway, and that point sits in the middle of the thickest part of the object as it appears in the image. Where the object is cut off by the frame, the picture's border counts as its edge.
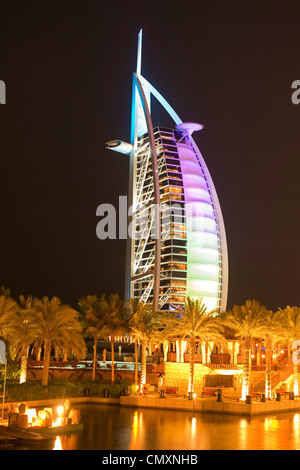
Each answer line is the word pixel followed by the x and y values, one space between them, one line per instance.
pixel 208 405
pixel 211 405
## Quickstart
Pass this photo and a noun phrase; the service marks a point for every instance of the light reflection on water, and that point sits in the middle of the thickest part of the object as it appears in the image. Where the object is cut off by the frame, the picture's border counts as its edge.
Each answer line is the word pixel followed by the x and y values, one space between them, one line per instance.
pixel 109 427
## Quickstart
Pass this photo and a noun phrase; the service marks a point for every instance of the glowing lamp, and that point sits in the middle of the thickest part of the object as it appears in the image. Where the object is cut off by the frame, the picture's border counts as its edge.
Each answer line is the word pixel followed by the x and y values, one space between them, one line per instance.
pixel 44 418
pixel 60 413
pixel 31 413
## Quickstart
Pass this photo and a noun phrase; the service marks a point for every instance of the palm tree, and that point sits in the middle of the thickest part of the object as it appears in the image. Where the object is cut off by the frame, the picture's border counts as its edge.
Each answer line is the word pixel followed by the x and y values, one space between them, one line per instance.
pixel 4 291
pixel 133 308
pixel 58 327
pixel 249 322
pixel 94 320
pixel 144 326
pixel 115 322
pixel 193 322
pixel 290 324
pixel 8 319
pixel 9 325
pixel 26 333
pixel 272 335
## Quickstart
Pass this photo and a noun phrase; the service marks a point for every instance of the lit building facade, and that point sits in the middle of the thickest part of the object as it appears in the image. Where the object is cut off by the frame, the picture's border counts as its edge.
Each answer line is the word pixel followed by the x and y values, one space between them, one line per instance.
pixel 177 244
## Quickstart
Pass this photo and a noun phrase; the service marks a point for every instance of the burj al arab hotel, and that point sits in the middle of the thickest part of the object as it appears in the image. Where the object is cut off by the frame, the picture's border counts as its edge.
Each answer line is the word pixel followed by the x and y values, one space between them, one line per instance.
pixel 177 244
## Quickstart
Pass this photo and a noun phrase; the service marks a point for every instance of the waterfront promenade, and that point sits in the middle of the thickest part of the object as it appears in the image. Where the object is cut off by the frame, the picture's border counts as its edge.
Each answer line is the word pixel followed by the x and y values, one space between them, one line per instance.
pixel 204 405
pixel 211 405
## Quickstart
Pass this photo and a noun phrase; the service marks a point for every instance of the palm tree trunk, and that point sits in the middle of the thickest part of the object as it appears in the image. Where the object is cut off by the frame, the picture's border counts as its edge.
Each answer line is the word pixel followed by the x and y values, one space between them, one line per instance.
pixel 112 345
pixel 38 354
pixel 23 373
pixel 192 365
pixel 47 350
pixel 246 368
pixel 268 388
pixel 136 363
pixel 258 355
pixel 94 360
pixel 143 363
pixel 295 380
pixel 294 358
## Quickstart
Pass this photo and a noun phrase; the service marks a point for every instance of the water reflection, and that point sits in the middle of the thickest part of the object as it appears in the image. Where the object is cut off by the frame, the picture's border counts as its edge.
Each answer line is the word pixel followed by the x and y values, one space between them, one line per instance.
pixel 137 429
pixel 296 424
pixel 57 444
pixel 109 427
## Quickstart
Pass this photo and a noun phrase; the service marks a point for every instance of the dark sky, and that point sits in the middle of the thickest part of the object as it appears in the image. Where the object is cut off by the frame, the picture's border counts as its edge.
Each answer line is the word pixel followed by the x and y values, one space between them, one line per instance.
pixel 68 71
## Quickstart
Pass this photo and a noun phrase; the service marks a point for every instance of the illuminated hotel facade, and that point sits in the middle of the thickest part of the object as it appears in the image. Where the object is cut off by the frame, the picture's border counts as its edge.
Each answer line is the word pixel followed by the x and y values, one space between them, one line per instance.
pixel 177 244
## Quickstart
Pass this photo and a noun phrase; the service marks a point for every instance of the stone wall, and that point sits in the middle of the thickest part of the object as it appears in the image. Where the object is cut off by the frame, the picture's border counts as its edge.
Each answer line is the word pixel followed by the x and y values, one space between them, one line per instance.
pixel 177 375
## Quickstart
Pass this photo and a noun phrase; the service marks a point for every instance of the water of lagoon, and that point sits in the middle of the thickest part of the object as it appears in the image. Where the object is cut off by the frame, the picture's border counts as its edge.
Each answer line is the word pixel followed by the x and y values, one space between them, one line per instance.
pixel 110 427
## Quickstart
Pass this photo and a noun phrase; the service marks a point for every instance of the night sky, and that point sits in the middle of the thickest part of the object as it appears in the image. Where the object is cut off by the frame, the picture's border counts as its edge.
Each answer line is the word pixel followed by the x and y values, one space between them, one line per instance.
pixel 68 71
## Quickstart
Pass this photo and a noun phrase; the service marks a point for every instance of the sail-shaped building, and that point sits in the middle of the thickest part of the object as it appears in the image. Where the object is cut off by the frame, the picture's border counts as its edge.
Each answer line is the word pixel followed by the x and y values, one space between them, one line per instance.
pixel 177 243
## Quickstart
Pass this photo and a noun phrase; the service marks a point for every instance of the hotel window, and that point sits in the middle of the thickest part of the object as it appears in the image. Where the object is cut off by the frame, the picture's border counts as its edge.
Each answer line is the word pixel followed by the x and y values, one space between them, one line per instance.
pixel 175 189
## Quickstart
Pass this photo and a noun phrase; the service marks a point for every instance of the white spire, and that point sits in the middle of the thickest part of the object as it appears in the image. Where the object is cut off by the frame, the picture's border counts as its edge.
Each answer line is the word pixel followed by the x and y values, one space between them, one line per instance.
pixel 139 53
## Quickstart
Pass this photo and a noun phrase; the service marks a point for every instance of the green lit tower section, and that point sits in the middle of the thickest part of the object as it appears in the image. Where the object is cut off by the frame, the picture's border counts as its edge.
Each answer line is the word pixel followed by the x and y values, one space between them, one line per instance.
pixel 177 244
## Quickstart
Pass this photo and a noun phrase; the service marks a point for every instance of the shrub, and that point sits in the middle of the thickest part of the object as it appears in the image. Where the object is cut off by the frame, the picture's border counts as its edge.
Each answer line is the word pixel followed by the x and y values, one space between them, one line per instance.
pixel 61 389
